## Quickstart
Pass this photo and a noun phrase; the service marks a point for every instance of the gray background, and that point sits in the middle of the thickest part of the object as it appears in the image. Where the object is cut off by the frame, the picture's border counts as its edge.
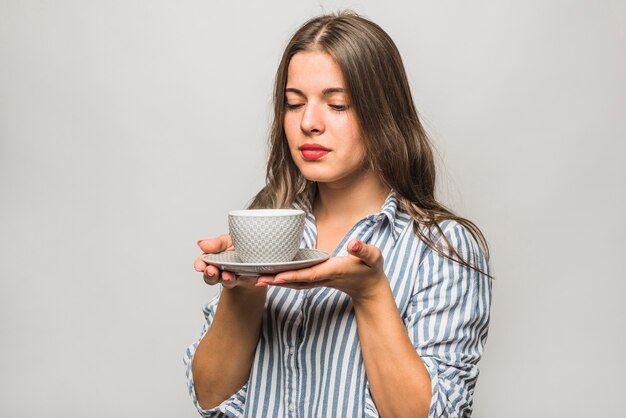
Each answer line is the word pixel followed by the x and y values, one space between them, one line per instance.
pixel 128 129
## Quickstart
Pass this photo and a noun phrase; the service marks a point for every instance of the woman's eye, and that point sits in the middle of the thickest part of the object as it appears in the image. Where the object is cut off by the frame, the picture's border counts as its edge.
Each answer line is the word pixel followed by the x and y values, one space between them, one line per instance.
pixel 293 106
pixel 338 108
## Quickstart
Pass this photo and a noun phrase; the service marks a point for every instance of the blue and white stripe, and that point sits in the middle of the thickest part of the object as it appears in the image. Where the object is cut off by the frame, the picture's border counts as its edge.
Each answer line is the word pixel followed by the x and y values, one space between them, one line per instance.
pixel 308 361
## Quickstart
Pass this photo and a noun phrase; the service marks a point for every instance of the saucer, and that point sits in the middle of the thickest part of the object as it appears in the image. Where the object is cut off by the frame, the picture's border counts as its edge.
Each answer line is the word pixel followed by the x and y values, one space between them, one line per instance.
pixel 229 261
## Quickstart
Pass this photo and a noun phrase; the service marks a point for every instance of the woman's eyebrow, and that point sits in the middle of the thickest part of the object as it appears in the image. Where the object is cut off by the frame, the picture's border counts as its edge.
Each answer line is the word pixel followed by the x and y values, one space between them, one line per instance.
pixel 292 90
pixel 325 92
pixel 332 90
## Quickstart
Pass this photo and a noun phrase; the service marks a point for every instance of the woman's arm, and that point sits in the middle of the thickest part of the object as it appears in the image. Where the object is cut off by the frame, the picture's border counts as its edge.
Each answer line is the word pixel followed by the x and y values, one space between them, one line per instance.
pixel 222 361
pixel 399 382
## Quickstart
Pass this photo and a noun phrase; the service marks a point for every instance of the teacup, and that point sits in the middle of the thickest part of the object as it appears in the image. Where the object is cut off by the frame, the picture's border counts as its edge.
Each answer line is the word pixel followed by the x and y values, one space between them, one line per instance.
pixel 266 235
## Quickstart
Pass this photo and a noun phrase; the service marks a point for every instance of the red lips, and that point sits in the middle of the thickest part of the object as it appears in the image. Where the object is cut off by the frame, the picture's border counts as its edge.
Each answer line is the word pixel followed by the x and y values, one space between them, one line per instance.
pixel 312 151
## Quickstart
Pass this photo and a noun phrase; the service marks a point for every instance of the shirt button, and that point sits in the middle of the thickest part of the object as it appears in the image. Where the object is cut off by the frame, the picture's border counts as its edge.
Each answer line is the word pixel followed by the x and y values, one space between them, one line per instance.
pixel 292 407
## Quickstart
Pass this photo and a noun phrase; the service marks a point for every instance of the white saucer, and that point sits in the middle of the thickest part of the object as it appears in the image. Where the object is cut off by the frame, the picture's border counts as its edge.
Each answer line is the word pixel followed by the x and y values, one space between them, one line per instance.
pixel 229 261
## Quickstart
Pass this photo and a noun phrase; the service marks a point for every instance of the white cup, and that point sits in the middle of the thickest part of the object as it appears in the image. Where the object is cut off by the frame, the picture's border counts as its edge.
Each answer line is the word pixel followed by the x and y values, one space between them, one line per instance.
pixel 266 235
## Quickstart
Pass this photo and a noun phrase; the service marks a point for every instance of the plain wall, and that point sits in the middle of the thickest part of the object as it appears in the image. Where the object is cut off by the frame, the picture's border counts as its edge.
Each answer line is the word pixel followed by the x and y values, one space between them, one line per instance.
pixel 128 129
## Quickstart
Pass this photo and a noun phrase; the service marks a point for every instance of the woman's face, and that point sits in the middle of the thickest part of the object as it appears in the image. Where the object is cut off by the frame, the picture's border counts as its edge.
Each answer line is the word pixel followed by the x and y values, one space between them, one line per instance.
pixel 320 123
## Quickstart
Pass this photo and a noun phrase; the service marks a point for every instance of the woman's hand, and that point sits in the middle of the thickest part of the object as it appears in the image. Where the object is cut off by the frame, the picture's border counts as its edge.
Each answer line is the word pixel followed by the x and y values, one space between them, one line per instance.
pixel 359 274
pixel 211 274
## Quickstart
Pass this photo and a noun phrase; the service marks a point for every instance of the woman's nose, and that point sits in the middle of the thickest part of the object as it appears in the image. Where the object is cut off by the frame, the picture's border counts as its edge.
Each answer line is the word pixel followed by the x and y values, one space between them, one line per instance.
pixel 312 119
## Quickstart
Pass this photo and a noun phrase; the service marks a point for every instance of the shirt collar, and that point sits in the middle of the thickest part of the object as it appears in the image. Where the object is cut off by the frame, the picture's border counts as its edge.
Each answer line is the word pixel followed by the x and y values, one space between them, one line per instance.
pixel 397 218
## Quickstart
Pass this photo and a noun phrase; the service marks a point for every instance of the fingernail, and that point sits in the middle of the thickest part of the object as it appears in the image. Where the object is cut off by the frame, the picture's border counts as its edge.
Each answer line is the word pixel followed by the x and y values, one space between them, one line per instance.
pixel 278 281
pixel 261 284
pixel 356 246
pixel 198 269
pixel 199 241
pixel 210 273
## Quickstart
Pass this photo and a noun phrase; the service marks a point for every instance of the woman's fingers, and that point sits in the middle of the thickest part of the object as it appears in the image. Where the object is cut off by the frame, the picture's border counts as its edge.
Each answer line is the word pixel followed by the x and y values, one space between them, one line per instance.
pixel 331 268
pixel 368 254
pixel 212 246
pixel 210 273
pixel 231 280
pixel 363 260
pixel 199 265
pixel 216 245
pixel 211 276
pixel 302 286
pixel 223 276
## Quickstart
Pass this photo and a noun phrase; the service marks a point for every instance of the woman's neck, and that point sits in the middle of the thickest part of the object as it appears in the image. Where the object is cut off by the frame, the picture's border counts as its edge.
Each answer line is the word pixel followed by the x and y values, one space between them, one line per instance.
pixel 347 203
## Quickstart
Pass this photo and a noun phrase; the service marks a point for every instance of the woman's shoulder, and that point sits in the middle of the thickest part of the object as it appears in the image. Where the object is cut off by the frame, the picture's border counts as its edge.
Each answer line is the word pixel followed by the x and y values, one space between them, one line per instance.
pixel 448 236
pixel 462 237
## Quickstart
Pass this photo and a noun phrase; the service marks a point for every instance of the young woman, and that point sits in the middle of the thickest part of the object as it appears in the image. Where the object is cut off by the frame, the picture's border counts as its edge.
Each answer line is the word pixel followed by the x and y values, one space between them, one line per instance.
pixel 394 323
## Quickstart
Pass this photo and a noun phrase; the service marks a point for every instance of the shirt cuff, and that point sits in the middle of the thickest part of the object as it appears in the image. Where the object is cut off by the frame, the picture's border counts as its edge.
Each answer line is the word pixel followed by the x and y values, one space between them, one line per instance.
pixel 232 407
pixel 370 407
pixel 437 401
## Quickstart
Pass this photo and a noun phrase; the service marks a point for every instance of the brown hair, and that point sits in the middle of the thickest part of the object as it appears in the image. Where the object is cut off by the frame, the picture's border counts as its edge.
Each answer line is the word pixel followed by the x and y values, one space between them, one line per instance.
pixel 397 147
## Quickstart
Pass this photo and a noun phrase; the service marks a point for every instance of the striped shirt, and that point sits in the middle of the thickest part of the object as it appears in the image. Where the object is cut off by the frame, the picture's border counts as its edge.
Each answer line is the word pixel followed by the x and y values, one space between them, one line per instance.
pixel 308 362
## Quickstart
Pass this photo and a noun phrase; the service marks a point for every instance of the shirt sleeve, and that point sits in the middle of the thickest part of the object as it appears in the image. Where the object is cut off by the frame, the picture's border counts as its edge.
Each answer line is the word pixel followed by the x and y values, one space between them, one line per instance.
pixel 232 407
pixel 370 407
pixel 447 321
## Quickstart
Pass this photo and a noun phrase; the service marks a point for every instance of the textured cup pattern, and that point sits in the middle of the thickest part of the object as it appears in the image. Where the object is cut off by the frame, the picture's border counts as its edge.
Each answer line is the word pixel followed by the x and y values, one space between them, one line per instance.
pixel 266 239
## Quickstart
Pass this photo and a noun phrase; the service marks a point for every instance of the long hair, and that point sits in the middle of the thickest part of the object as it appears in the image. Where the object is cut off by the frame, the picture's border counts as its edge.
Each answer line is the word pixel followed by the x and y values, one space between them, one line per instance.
pixel 396 145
